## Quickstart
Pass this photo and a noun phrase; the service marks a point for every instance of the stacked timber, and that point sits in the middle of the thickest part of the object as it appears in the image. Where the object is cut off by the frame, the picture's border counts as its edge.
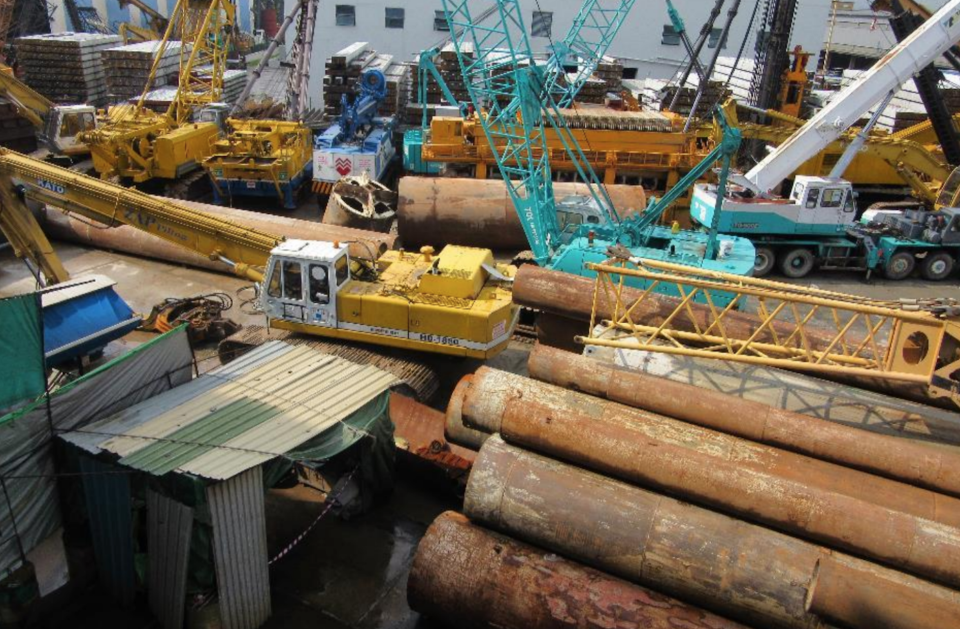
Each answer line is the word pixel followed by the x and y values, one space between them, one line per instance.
pixel 716 92
pixel 128 68
pixel 761 519
pixel 66 67
pixel 906 119
pixel 343 70
pixel 16 133
pixel 449 69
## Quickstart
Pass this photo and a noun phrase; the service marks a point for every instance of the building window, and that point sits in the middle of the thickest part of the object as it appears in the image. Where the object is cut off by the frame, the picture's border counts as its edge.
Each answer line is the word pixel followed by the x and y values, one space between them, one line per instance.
pixel 346 15
pixel 669 36
pixel 394 18
pixel 440 21
pixel 629 73
pixel 542 24
pixel 715 37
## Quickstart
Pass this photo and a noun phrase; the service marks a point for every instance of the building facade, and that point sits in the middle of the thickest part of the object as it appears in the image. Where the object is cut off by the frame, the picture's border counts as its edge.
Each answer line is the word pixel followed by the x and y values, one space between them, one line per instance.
pixel 646 44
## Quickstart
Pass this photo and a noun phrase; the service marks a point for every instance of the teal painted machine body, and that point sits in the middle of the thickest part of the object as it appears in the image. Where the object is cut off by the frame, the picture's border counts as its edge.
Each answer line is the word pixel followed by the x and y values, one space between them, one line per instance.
pixel 517 98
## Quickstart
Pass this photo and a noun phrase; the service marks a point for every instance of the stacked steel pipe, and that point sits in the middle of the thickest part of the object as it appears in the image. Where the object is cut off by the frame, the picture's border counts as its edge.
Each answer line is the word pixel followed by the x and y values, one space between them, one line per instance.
pixel 760 515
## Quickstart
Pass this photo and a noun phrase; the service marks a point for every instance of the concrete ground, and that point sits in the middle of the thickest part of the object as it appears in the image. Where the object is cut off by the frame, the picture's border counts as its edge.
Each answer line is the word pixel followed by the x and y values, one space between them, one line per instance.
pixel 345 574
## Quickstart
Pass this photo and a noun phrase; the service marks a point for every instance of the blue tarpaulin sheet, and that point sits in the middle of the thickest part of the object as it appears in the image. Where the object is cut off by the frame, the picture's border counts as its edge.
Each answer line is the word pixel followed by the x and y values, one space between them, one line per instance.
pixel 85 323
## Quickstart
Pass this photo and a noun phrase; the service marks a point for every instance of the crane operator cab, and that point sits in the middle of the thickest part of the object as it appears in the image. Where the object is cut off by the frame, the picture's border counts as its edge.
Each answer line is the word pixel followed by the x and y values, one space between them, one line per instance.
pixel 63 126
pixel 457 303
pixel 303 280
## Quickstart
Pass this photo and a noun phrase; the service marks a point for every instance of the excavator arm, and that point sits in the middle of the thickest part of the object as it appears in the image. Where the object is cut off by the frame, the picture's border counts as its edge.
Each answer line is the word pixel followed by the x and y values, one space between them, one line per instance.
pixel 23 178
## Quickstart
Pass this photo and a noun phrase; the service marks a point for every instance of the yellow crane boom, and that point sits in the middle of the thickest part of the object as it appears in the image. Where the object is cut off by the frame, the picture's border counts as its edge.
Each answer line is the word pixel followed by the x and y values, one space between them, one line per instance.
pixel 456 303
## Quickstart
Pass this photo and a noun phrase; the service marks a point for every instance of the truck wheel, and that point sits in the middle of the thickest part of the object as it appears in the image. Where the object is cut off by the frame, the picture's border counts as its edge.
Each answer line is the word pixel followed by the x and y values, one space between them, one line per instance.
pixel 763 263
pixel 938 266
pixel 900 266
pixel 797 263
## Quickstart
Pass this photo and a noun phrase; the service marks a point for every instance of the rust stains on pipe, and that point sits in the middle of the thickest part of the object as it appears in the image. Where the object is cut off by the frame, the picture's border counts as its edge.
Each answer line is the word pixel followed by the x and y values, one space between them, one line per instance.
pixel 478 212
pixel 470 577
pixel 907 527
pixel 572 296
pixel 856 597
pixel 455 430
pixel 905 461
pixel 740 570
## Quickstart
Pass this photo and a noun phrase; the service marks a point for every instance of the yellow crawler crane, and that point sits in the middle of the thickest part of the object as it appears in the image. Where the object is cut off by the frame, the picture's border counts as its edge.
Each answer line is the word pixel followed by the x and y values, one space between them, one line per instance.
pixel 138 144
pixel 456 303
pixel 911 347
pixel 266 157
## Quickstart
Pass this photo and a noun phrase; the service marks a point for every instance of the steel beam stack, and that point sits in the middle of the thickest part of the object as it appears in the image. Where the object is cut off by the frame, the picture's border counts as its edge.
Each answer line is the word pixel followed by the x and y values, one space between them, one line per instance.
pixel 449 68
pixel 66 67
pixel 128 68
pixel 716 506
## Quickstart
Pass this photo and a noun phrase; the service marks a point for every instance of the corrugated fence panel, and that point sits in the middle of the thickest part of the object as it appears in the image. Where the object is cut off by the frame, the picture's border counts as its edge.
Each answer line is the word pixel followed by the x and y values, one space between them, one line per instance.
pixel 109 505
pixel 240 549
pixel 169 526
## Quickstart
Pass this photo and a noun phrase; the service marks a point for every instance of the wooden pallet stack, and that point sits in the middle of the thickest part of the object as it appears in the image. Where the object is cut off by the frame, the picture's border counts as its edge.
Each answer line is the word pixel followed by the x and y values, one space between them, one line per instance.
pixel 128 68
pixel 66 67
pixel 343 71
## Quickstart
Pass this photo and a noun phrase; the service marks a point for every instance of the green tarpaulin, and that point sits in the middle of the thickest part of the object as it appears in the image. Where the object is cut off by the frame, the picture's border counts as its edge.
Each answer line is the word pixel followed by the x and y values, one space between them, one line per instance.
pixel 22 374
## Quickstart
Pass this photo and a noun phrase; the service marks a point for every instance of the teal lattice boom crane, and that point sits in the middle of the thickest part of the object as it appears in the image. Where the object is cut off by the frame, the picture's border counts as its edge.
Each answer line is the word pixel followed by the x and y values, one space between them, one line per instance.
pixel 507 88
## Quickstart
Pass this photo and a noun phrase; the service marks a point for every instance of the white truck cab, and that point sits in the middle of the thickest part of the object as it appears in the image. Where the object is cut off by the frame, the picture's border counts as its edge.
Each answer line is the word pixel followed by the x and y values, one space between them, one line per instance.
pixel 302 280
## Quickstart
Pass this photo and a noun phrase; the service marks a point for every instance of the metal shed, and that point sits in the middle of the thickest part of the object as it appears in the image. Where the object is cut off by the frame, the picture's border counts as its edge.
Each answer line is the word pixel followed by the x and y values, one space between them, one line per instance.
pixel 222 427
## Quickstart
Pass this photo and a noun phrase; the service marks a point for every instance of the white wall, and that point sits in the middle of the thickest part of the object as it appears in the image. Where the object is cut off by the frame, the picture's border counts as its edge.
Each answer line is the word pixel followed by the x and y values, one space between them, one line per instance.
pixel 638 43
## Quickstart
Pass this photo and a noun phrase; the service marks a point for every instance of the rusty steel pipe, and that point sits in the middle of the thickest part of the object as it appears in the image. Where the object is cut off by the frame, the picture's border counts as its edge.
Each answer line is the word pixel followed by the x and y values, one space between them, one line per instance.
pixel 856 597
pixel 743 571
pixel 421 428
pixel 900 525
pixel 905 461
pixel 473 578
pixel 824 399
pixel 478 212
pixel 572 296
pixel 126 239
pixel 455 430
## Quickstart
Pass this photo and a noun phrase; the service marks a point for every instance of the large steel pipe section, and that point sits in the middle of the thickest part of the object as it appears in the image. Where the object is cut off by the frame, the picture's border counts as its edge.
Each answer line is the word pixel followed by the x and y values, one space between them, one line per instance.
pixel 890 522
pixel 740 570
pixel 126 239
pixel 572 297
pixel 854 596
pixel 906 461
pixel 473 578
pixel 825 399
pixel 478 212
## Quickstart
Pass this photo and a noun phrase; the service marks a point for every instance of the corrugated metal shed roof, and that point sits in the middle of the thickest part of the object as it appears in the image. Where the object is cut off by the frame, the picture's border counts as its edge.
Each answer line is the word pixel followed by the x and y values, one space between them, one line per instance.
pixel 260 406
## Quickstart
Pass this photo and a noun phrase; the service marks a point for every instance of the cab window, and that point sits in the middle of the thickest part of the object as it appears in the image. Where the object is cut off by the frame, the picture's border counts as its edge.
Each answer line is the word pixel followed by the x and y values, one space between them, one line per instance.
pixel 292 281
pixel 832 197
pixel 273 286
pixel 812 197
pixel 343 270
pixel 848 204
pixel 319 284
pixel 568 218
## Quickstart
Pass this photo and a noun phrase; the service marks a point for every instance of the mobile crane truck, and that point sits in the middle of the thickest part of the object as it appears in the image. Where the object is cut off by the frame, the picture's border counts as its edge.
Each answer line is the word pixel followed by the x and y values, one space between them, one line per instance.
pixel 817 225
pixel 456 303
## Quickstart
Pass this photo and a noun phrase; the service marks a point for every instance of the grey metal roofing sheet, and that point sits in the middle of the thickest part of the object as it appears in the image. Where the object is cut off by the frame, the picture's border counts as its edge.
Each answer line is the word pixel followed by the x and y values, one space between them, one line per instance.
pixel 260 406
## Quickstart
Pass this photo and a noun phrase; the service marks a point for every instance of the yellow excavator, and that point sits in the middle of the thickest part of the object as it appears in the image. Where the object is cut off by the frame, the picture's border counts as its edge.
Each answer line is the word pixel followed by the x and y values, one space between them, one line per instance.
pixel 138 144
pixel 57 125
pixel 456 303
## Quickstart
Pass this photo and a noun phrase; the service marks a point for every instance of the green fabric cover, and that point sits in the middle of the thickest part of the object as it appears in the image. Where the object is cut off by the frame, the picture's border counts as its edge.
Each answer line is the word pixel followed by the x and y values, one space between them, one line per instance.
pixel 22 371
